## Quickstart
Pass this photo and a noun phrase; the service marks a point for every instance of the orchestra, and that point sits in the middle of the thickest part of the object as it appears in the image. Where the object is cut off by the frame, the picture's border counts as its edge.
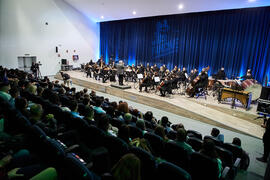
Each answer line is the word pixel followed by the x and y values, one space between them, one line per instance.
pixel 161 79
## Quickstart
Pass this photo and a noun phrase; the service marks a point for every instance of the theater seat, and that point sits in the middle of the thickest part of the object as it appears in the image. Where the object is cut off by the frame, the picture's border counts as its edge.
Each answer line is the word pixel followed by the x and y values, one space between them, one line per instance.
pixel 192 133
pixel 172 135
pixel 203 167
pixel 169 171
pixel 148 164
pixel 155 142
pixel 176 154
pixel 74 168
pixel 116 147
pixel 195 143
pixel 135 132
pixel 116 122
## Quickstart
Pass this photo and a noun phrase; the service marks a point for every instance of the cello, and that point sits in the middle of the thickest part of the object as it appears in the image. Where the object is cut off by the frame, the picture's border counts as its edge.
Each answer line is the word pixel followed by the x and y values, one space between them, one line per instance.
pixel 191 87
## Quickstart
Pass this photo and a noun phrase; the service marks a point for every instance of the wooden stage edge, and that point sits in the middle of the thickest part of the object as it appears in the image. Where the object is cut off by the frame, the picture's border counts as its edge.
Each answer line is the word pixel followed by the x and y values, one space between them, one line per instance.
pixel 149 101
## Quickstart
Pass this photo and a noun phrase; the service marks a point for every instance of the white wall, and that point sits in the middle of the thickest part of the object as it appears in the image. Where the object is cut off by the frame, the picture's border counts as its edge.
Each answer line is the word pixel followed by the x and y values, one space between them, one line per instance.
pixel 23 31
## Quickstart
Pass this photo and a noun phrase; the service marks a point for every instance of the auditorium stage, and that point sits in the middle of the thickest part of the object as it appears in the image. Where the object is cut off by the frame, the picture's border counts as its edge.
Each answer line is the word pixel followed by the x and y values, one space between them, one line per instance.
pixel 208 111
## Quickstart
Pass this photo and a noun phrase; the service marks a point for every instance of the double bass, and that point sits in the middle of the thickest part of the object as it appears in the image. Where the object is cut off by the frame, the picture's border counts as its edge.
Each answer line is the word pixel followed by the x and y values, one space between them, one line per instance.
pixel 191 87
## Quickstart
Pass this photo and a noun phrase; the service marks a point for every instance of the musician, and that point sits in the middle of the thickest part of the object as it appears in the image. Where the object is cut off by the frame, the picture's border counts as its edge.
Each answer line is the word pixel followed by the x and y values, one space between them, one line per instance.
pixel 104 74
pixel 100 61
pixel 95 71
pixel 192 75
pixel 146 82
pixel 221 75
pixel 91 63
pixel 141 69
pixel 184 74
pixel 120 72
pixel 165 87
pixel 128 72
pixel 88 70
pixel 174 71
pixel 202 82
pixel 148 68
pixel 111 61
pixel 196 72
pixel 156 69
pixel 248 75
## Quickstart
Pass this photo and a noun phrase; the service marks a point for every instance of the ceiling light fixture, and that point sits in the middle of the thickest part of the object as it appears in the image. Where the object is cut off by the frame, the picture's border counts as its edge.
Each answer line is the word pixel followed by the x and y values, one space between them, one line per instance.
pixel 102 17
pixel 251 1
pixel 134 13
pixel 180 6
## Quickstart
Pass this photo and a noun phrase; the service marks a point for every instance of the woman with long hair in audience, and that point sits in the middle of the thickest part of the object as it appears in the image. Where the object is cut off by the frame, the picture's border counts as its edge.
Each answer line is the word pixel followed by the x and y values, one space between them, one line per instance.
pixel 127 168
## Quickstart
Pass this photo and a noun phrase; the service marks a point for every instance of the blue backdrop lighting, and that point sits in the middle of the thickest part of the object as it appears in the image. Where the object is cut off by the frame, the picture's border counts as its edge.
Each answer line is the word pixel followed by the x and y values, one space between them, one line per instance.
pixel 235 39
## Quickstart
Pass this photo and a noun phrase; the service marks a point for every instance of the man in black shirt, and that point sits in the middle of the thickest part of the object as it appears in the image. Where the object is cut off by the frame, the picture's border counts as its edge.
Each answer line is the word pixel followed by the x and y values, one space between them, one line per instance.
pixel 146 82
pixel 221 75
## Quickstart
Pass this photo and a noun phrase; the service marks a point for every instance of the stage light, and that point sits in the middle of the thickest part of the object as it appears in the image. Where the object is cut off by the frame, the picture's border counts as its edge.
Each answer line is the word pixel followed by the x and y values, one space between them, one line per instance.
pixel 102 17
pixel 251 1
pixel 180 6
pixel 134 13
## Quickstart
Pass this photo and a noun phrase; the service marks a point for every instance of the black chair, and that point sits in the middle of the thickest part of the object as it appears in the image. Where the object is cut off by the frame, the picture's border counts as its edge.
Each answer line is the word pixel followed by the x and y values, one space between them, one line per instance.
pixel 135 132
pixel 116 147
pixel 192 133
pixel 116 122
pixel 172 135
pixel 226 157
pixel 195 143
pixel 92 136
pixel 203 167
pixel 155 142
pixel 167 170
pixel 236 151
pixel 148 164
pixel 75 168
pixel 176 154
pixel 216 142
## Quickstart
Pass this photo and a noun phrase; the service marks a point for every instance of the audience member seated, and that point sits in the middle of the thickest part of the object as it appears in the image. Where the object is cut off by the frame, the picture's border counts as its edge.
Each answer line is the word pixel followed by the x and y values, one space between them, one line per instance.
pixel 127 168
pixel 181 137
pixel 208 149
pixel 123 133
pixel 216 134
pixel 141 125
pixel 245 157
pixel 160 131
pixel 97 108
pixel 166 124
pixel 73 106
pixel 103 124
pixel 4 88
pixel 21 104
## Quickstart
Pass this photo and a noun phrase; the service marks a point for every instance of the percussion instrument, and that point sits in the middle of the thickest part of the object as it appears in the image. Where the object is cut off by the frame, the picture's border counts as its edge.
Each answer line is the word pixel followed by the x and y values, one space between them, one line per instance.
pixel 243 96
pixel 252 86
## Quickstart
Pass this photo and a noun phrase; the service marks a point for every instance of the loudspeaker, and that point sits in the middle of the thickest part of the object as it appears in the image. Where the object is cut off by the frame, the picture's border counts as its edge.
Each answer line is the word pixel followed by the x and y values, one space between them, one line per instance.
pixel 265 93
pixel 64 62
pixel 56 49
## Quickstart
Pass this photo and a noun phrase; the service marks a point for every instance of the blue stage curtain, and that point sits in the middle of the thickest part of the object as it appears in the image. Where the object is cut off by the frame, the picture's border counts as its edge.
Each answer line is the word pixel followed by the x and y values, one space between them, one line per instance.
pixel 236 39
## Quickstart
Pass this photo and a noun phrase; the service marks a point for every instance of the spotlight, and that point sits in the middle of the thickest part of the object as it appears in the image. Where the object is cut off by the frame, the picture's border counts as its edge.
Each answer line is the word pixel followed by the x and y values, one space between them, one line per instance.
pixel 180 6
pixel 251 1
pixel 102 17
pixel 134 13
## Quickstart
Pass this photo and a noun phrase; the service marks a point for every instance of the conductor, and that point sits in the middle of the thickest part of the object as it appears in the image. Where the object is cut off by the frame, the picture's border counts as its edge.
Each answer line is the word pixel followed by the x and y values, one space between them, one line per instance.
pixel 120 72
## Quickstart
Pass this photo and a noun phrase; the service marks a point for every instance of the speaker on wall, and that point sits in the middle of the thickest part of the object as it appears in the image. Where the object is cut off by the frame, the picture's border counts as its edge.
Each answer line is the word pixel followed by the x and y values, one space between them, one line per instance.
pixel 56 49
pixel 64 62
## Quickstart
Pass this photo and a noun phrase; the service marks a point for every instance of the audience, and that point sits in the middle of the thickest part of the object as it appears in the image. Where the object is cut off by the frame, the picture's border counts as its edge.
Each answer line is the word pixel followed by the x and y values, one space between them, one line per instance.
pixel 245 157
pixel 93 110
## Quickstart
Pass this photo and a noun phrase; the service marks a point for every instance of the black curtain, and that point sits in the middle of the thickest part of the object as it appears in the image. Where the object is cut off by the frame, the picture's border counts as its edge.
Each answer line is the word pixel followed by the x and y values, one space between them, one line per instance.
pixel 236 39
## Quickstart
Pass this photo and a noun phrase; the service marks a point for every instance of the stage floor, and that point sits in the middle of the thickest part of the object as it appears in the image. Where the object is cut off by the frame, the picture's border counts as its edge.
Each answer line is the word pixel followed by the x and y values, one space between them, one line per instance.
pixel 205 110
